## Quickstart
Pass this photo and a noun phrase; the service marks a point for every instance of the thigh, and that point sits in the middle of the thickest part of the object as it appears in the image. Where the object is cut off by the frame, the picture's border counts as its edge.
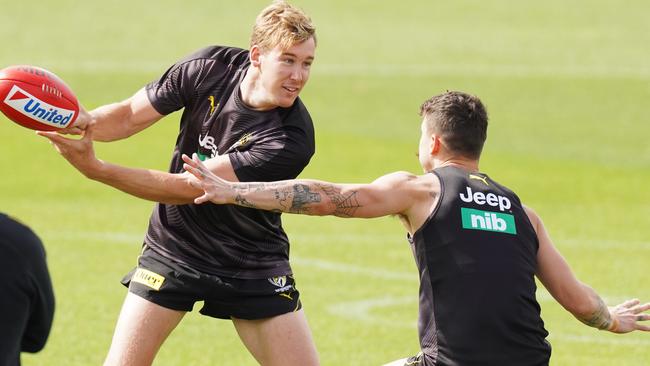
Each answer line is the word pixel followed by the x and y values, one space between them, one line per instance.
pixel 140 331
pixel 283 340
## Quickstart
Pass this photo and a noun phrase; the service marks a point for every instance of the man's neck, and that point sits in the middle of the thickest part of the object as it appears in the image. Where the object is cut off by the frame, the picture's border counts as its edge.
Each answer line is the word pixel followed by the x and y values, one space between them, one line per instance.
pixel 252 91
pixel 471 165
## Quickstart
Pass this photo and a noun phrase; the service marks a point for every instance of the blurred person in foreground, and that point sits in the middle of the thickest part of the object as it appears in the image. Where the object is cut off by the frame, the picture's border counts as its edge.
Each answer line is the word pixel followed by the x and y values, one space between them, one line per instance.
pixel 27 301
pixel 242 114
pixel 477 248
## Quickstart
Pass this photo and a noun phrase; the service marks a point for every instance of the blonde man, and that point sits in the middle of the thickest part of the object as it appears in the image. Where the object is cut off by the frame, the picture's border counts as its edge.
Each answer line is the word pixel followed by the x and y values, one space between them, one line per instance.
pixel 242 115
pixel 477 248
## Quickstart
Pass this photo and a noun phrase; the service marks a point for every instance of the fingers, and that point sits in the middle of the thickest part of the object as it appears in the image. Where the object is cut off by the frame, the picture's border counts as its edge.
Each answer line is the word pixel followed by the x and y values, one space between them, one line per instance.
pixel 629 303
pixel 642 327
pixel 644 307
pixel 188 160
pixel 202 199
pixel 88 133
pixel 71 131
pixel 195 172
pixel 642 317
pixel 53 136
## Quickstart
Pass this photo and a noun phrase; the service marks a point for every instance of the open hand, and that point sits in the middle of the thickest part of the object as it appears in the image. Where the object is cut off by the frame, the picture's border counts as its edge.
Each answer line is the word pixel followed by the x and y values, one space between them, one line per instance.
pixel 78 152
pixel 216 190
pixel 626 316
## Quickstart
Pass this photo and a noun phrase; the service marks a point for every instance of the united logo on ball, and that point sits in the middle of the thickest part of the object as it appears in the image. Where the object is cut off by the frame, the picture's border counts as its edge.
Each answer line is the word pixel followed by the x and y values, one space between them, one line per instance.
pixel 36 98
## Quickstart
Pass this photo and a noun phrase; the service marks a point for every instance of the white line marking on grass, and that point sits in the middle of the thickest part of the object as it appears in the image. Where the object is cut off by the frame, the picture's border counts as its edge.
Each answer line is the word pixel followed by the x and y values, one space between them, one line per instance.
pixel 378 70
pixel 597 338
pixel 519 70
pixel 354 269
pixel 362 310
pixel 101 236
pixel 604 244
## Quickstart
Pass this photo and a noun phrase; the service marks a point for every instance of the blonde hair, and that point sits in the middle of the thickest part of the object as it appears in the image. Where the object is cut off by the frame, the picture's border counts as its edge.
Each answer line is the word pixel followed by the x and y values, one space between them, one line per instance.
pixel 281 24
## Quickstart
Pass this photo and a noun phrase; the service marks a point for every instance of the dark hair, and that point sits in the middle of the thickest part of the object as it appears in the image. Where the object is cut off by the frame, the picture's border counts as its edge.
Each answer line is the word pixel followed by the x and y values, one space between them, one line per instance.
pixel 460 119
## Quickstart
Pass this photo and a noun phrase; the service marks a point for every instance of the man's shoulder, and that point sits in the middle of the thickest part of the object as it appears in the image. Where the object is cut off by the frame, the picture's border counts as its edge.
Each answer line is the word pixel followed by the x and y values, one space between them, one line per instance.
pixel 298 117
pixel 410 181
pixel 20 238
pixel 222 54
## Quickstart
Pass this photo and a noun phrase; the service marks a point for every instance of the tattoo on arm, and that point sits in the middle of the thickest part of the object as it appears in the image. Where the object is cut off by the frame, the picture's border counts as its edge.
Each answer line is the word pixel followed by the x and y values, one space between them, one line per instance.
pixel 299 197
pixel 600 318
pixel 302 197
pixel 344 204
pixel 241 201
pixel 282 196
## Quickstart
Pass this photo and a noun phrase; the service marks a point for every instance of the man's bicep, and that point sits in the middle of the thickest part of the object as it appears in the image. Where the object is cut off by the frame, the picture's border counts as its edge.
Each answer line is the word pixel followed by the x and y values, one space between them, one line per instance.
pixel 392 194
pixel 143 113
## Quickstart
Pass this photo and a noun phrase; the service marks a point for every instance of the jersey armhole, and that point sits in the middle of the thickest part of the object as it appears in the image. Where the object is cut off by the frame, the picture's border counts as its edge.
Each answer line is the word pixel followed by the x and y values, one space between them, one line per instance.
pixel 436 206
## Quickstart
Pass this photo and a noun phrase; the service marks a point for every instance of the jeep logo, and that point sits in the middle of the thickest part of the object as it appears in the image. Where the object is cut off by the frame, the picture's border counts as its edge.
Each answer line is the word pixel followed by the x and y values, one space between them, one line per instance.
pixel 490 199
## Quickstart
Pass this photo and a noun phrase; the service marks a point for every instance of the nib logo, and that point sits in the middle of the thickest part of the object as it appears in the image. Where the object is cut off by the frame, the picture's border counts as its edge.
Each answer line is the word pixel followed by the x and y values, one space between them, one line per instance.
pixel 36 109
pixel 488 221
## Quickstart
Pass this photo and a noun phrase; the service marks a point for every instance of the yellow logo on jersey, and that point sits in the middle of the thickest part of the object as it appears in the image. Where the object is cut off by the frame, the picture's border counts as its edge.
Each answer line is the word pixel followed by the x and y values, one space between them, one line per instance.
pixel 212 106
pixel 279 281
pixel 148 278
pixel 244 139
pixel 478 177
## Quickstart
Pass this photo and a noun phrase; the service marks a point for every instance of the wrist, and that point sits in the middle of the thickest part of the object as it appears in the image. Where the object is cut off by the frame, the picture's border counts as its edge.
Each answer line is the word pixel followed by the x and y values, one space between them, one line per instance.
pixel 613 325
pixel 232 195
pixel 95 170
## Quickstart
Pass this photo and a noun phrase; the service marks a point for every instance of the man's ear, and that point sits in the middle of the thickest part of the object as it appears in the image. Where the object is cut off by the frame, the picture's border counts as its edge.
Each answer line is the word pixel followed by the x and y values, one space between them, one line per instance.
pixel 435 145
pixel 254 55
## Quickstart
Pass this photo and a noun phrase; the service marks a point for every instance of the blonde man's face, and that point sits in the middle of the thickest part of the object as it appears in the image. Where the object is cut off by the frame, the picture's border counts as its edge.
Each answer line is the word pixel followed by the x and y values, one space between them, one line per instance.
pixel 285 72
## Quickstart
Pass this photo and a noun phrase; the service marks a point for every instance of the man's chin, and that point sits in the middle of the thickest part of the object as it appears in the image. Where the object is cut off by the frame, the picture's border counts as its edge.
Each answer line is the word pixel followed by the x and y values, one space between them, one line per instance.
pixel 287 102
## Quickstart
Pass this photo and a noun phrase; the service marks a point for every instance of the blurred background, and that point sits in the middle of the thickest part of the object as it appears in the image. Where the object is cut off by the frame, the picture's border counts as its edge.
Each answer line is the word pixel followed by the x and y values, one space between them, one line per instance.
pixel 566 85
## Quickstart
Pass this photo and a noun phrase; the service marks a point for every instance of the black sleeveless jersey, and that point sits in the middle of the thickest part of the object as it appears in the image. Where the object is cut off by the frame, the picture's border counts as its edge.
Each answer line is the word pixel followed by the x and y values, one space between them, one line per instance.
pixel 272 145
pixel 477 258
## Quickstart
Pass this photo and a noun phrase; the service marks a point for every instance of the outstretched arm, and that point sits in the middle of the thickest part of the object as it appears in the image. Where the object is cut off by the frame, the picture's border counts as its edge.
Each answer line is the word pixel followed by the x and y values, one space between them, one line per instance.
pixel 119 120
pixel 578 298
pixel 153 185
pixel 396 193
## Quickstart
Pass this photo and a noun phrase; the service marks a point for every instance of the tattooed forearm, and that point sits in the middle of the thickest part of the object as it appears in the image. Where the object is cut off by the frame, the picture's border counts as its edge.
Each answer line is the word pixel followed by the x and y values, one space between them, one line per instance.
pixel 257 187
pixel 241 201
pixel 282 196
pixel 344 204
pixel 302 197
pixel 599 318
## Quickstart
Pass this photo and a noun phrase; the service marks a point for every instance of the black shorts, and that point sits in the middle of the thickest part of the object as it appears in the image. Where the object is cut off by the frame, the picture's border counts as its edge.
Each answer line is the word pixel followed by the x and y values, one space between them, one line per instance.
pixel 176 286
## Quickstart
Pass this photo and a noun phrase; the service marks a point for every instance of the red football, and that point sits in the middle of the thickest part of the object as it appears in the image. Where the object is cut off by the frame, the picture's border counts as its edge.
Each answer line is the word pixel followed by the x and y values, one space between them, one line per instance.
pixel 36 98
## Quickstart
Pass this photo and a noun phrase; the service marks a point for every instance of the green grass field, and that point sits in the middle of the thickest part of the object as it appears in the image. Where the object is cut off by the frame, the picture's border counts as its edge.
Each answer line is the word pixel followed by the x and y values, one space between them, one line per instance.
pixel 566 84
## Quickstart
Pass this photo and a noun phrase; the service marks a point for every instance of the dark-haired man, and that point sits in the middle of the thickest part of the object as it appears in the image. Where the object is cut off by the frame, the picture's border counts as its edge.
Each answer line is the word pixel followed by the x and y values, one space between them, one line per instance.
pixel 476 246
